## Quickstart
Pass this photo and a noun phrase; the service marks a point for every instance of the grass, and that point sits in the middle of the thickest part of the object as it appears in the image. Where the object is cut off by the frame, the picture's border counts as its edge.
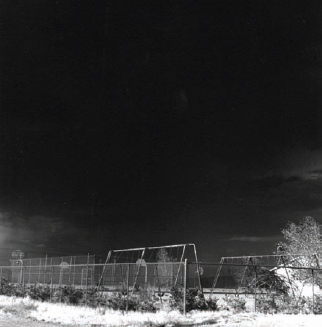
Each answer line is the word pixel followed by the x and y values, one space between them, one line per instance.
pixel 84 316
pixel 19 307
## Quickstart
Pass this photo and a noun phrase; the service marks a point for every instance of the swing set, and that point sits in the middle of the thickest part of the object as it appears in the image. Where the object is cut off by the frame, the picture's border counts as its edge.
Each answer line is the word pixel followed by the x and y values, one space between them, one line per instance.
pixel 137 269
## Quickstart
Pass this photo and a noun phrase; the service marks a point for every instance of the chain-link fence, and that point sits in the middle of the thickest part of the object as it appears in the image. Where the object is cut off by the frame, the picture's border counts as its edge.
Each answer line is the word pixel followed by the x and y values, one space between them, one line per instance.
pixel 273 287
pixel 249 278
pixel 68 270
pixel 114 277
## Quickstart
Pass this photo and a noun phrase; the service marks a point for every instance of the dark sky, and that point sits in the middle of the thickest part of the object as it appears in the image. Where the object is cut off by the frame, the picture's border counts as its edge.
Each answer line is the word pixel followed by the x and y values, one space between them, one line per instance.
pixel 134 123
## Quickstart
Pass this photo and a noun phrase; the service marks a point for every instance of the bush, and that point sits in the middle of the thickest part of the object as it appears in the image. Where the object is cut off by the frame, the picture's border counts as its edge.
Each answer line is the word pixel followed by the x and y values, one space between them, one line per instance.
pixel 317 304
pixel 68 294
pixel 39 292
pixel 238 304
pixel 93 298
pixel 266 305
pixel 130 303
pixel 195 300
pixel 6 288
pixel 17 290
pixel 284 304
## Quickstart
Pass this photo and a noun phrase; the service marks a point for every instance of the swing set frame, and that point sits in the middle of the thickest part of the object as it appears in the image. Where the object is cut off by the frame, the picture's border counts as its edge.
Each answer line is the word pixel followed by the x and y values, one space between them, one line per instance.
pixel 142 261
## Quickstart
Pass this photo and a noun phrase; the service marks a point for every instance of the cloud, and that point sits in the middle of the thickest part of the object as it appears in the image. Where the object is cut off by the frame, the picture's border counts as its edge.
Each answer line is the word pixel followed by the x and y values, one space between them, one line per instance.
pixel 315 174
pixel 40 245
pixel 275 181
pixel 35 234
pixel 256 239
pixel 299 162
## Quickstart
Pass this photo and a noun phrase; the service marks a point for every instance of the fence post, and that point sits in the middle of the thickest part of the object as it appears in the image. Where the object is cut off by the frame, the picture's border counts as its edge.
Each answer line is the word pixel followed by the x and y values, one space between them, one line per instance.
pixel 86 278
pixel 74 272
pixel 51 283
pixel 255 296
pixel 313 290
pixel 45 269
pixel 23 280
pixel 39 271
pixel 184 286
pixel 29 271
pixel 127 286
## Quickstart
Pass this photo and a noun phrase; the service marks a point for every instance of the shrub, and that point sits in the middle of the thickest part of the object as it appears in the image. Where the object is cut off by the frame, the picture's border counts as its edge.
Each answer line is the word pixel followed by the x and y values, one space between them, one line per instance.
pixel 39 292
pixel 68 294
pixel 130 303
pixel 17 290
pixel 238 304
pixel 93 298
pixel 287 304
pixel 6 288
pixel 266 305
pixel 195 300
pixel 317 304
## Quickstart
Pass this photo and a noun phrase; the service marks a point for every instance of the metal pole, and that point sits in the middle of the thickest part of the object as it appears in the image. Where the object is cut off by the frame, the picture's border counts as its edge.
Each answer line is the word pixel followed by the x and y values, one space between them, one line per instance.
pixel 313 290
pixel 39 271
pixel 198 269
pixel 70 269
pixel 86 278
pixel 29 271
pixel 51 264
pixel 155 247
pixel 51 283
pixel 74 272
pixel 113 273
pixel 23 279
pixel 181 261
pixel 288 277
pixel 255 297
pixel 217 275
pixel 184 286
pixel 138 271
pixel 21 274
pixel 127 286
pixel 45 269
pixel 104 267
